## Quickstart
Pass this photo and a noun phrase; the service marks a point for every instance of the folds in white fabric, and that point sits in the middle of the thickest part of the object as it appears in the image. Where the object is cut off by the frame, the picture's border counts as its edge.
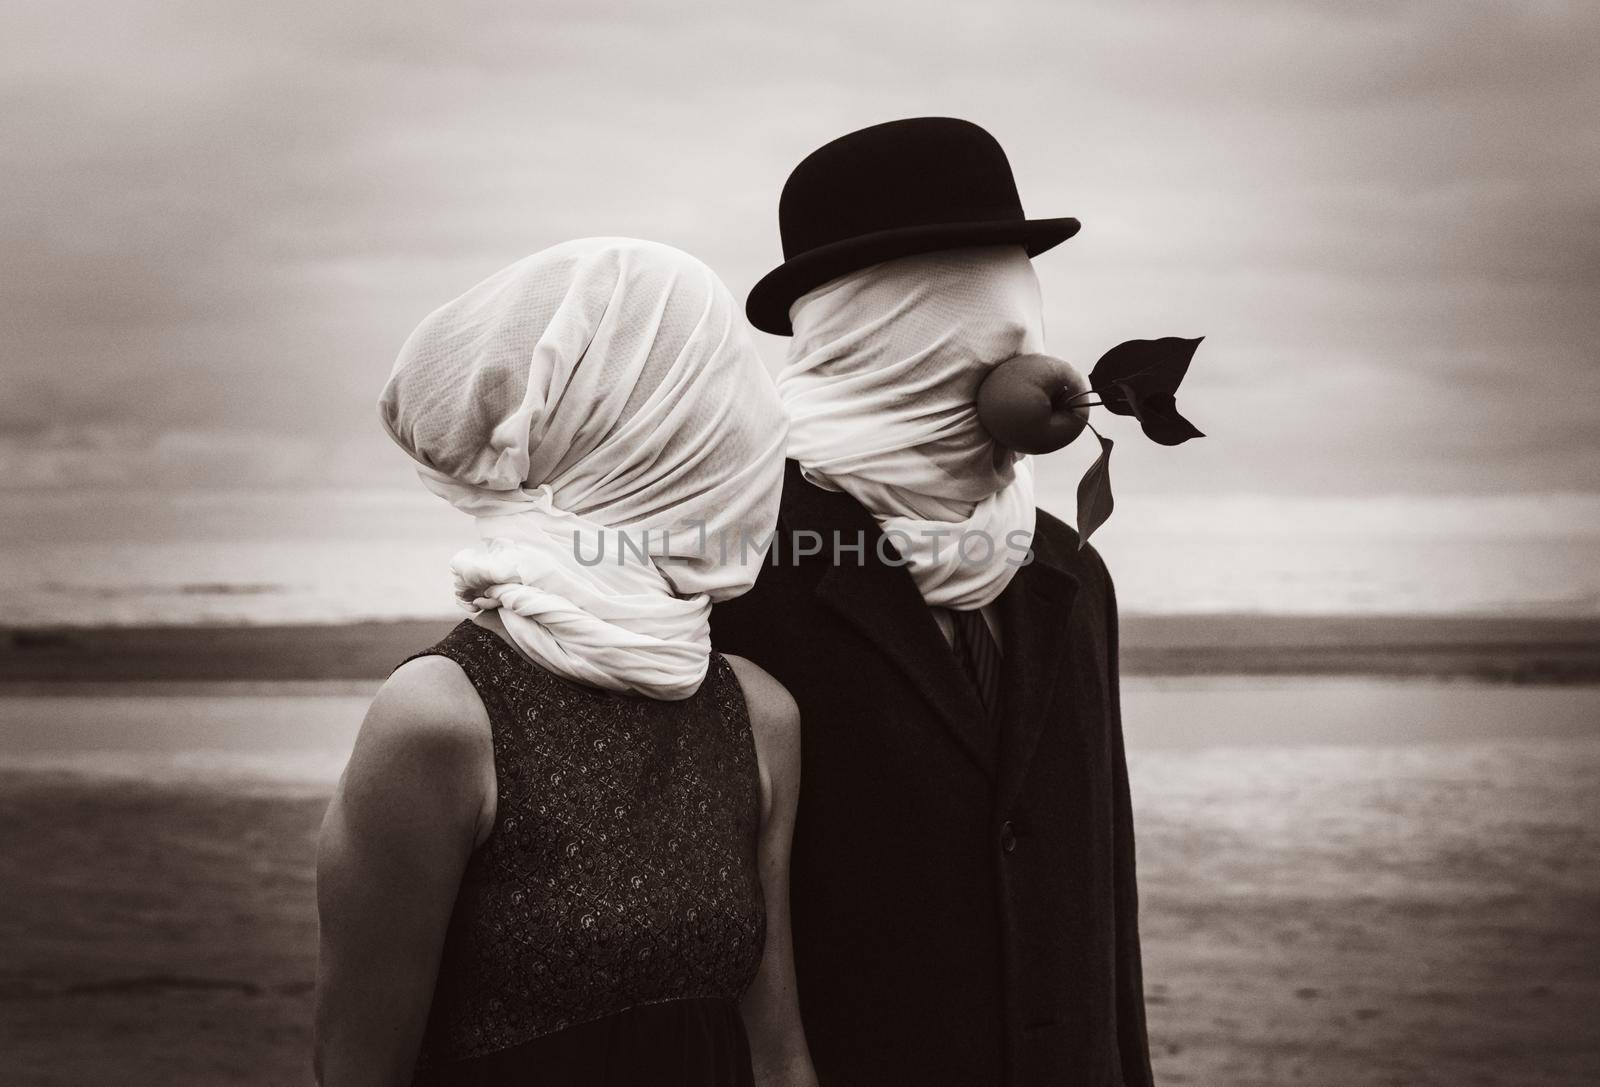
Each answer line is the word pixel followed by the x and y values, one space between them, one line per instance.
pixel 881 386
pixel 601 392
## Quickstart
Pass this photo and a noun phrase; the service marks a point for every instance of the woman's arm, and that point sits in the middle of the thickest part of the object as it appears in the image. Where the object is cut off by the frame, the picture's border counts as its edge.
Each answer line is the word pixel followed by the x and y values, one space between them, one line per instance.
pixel 771 1006
pixel 415 800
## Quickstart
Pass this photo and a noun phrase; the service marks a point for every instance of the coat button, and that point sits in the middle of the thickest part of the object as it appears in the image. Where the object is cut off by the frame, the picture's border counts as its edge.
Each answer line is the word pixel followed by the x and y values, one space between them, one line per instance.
pixel 1008 837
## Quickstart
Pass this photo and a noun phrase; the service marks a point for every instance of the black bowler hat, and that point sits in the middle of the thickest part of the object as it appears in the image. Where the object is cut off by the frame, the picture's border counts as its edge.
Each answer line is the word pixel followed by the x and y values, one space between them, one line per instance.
pixel 890 191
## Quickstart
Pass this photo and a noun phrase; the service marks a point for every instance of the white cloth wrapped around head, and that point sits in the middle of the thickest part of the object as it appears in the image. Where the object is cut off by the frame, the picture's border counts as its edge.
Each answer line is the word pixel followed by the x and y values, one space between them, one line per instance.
pixel 600 409
pixel 881 387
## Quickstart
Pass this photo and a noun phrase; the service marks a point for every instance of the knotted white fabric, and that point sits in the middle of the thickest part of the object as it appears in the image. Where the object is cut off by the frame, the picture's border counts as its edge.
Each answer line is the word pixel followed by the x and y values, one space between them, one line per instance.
pixel 601 411
pixel 881 386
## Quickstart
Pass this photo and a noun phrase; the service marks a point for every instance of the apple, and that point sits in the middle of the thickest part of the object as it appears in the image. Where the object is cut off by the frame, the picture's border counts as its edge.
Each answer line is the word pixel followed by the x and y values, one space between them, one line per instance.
pixel 1023 403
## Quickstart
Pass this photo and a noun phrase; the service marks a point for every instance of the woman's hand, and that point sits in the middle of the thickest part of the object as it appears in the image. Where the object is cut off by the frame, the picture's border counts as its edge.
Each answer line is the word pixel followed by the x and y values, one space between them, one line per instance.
pixel 416 798
pixel 771 1006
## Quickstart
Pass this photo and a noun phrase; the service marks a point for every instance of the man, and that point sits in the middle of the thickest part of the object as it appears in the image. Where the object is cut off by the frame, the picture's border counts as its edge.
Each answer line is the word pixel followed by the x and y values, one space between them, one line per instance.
pixel 964 903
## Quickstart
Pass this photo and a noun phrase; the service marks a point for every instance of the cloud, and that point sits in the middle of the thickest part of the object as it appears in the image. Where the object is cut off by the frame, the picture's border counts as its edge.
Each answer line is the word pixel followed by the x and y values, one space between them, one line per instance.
pixel 61 458
pixel 222 219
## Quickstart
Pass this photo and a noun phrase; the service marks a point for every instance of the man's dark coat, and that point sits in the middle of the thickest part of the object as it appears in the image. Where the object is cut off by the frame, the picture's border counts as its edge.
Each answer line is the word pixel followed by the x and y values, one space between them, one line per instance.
pixel 964 904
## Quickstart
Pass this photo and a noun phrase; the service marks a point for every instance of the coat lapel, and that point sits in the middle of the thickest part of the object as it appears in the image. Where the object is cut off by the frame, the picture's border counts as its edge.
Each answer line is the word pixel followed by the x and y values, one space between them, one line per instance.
pixel 1034 611
pixel 882 602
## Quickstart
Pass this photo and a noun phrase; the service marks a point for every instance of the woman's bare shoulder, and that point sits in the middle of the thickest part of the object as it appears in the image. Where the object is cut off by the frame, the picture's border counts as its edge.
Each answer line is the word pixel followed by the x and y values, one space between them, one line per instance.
pixel 429 700
pixel 775 724
pixel 426 729
pixel 773 710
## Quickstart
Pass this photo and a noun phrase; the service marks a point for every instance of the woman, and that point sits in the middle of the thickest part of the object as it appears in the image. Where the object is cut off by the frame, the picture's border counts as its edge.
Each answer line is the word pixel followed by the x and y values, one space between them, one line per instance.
pixel 548 857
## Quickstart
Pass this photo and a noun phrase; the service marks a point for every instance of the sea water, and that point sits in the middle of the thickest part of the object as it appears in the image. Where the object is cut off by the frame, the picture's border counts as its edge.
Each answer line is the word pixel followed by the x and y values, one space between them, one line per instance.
pixel 334 556
pixel 304 731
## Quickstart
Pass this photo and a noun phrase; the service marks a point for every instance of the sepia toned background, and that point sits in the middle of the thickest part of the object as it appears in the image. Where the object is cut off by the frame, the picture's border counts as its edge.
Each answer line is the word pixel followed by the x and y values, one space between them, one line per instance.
pixel 1362 708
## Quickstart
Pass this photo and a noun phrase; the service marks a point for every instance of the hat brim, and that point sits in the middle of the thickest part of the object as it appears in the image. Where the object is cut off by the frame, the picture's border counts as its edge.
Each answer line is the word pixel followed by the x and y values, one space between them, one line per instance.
pixel 768 304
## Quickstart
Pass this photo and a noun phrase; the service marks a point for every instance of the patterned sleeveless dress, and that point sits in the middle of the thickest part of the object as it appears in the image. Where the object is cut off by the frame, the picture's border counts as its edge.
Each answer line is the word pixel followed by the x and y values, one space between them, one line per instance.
pixel 608 924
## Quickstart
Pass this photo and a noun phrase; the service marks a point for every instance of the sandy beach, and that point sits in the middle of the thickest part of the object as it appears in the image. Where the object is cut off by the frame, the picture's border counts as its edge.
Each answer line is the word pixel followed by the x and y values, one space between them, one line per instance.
pixel 1344 881
pixel 1366 846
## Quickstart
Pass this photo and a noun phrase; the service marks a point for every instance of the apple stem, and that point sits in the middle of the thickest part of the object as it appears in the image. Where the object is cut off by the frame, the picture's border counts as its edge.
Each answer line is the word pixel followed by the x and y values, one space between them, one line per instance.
pixel 1073 402
pixel 1070 401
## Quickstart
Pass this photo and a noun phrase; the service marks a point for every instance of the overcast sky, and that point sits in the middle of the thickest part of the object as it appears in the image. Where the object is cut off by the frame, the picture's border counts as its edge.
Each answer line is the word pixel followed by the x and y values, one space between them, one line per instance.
pixel 222 218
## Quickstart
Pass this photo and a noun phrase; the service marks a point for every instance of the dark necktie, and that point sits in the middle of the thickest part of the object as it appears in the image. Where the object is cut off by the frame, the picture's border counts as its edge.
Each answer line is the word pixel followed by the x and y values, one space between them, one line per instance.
pixel 981 656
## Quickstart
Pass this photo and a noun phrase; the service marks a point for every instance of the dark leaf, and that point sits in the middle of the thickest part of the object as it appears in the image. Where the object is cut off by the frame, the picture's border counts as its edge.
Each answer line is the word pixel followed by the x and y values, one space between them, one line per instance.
pixel 1131 402
pixel 1094 492
pixel 1158 417
pixel 1117 399
pixel 1137 371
